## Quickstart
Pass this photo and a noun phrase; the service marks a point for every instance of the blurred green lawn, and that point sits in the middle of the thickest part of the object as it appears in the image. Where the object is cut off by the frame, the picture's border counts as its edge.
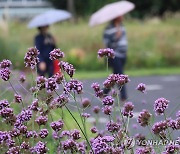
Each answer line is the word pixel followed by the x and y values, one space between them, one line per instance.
pixel 153 43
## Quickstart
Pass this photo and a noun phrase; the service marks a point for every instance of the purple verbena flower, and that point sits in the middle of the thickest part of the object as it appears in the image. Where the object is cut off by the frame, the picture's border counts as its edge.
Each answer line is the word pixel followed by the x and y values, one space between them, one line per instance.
pixel 22 78
pixel 65 133
pixel 96 109
pixel 141 87
pixel 85 115
pixel 10 143
pixel 86 102
pixel 178 114
pixel 5 63
pixel 42 120
pixel 159 127
pixel 75 134
pixel 106 52
pixel 31 57
pixel 60 101
pixel 99 146
pixel 108 138
pixel 17 98
pixel 23 129
pixel 25 115
pixel 94 130
pixel 108 100
pixel 43 133
pixel 41 80
pixel 31 134
pixel 14 132
pixel 144 117
pixel 68 68
pixel 58 78
pixel 69 145
pixel 7 112
pixel 172 149
pixel 172 123
pixel 5 74
pixel 128 109
pixel 160 105
pixel 57 125
pixel 14 150
pixel 144 150
pixel 34 106
pixel 110 81
pixel 56 54
pixel 122 79
pixel 24 146
pixel 95 86
pixel 113 126
pixel 40 148
pixel 107 110
pixel 51 85
pixel 73 85
pixel 3 104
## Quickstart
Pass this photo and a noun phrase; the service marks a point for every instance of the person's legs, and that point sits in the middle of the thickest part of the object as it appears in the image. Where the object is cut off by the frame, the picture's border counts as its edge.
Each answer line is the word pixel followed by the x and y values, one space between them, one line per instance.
pixel 110 64
pixel 50 68
pixel 118 68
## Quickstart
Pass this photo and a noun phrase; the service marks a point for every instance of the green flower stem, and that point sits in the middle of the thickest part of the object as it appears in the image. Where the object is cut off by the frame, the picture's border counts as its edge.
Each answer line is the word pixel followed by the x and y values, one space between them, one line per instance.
pixel 15 92
pixel 83 121
pixel 107 64
pixel 168 127
pixel 119 107
pixel 153 137
pixel 79 127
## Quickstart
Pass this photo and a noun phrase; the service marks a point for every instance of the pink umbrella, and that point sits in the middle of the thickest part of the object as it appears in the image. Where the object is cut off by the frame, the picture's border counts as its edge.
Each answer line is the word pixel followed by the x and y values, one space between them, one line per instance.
pixel 110 11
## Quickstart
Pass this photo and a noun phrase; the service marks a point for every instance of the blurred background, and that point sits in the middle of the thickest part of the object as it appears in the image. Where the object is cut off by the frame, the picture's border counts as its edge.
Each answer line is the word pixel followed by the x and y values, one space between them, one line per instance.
pixel 153 29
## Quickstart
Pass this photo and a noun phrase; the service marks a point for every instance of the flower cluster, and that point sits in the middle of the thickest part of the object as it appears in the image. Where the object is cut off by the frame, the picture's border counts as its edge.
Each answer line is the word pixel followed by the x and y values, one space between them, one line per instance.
pixel 97 90
pixel 159 127
pixel 41 80
pixel 106 52
pixel 57 126
pixel 18 98
pixel 4 69
pixel 144 117
pixel 113 126
pixel 141 87
pixel 56 54
pixel 22 78
pixel 68 68
pixel 29 130
pixel 118 79
pixel 31 58
pixel 73 85
pixel 108 100
pixel 51 85
pixel 160 105
pixel 128 109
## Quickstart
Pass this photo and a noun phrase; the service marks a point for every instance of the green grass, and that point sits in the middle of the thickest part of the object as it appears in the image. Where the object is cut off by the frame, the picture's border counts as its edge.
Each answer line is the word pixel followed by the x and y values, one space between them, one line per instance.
pixel 152 43
pixel 135 72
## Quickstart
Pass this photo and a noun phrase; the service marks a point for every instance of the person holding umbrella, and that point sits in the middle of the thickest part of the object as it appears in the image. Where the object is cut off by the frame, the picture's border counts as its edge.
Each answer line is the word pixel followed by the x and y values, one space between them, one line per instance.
pixel 115 38
pixel 114 35
pixel 44 41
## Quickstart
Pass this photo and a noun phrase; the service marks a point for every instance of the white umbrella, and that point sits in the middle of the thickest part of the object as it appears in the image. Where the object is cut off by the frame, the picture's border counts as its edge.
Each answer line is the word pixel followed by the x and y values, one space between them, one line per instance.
pixel 110 11
pixel 49 18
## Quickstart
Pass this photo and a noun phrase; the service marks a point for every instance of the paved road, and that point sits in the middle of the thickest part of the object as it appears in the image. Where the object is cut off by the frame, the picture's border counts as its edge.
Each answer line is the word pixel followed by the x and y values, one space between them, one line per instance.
pixel 157 86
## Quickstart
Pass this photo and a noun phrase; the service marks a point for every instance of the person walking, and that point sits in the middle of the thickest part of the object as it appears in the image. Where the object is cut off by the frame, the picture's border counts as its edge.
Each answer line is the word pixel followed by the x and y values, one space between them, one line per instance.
pixel 45 43
pixel 115 38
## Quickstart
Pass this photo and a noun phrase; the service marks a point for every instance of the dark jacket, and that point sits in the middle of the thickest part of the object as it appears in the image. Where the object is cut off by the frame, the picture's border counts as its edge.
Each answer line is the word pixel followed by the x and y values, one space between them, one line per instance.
pixel 45 44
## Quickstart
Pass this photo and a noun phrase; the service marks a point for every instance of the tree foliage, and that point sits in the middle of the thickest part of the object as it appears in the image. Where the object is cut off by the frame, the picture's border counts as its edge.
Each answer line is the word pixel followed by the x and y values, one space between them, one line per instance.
pixel 143 7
